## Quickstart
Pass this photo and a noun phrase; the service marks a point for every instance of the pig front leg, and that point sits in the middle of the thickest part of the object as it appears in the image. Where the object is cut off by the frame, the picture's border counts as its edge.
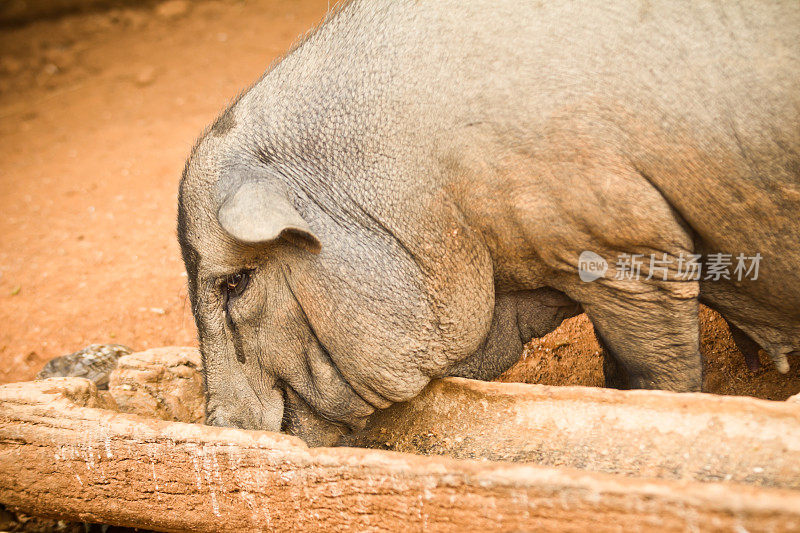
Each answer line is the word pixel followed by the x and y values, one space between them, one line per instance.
pixel 614 373
pixel 649 333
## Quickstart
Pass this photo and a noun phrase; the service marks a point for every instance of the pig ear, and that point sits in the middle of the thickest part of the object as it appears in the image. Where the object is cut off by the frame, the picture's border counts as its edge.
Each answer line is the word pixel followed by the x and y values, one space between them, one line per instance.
pixel 259 212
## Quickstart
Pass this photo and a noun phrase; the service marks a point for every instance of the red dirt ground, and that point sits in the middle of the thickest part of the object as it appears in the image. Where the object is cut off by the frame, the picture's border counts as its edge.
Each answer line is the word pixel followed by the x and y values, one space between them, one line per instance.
pixel 97 114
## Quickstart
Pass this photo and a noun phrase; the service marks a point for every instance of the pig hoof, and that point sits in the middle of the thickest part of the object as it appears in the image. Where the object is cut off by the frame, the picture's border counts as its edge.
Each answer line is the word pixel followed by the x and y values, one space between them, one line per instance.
pixel 780 361
pixel 752 361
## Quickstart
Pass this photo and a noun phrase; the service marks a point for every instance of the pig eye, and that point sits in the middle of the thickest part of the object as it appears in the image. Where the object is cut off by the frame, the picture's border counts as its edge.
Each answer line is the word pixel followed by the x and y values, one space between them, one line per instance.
pixel 235 284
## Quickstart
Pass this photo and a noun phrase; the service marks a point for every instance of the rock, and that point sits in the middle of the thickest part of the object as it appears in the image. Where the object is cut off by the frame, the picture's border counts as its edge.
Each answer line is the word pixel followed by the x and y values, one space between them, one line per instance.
pixel 59 458
pixel 144 77
pixel 63 58
pixel 172 9
pixel 164 383
pixel 95 363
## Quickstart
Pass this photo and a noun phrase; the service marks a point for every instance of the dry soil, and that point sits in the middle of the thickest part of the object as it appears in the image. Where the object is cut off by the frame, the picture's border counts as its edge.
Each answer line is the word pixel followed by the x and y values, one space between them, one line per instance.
pixel 98 111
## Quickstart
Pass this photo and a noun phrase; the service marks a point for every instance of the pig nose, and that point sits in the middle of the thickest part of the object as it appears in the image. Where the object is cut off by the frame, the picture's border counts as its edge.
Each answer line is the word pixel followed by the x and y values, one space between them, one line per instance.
pixel 225 420
pixel 218 420
pixel 233 419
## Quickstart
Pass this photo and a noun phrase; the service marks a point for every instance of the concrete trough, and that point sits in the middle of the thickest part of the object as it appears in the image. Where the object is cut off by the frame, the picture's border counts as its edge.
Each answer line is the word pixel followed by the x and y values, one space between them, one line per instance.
pixel 501 457
pixel 657 434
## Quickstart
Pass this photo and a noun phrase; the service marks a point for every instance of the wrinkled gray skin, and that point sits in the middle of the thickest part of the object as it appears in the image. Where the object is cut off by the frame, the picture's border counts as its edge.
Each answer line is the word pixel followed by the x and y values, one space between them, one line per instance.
pixel 409 189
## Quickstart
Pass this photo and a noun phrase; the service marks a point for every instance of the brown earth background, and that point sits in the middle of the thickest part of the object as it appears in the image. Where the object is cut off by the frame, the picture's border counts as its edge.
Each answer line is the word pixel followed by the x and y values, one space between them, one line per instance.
pixel 98 110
